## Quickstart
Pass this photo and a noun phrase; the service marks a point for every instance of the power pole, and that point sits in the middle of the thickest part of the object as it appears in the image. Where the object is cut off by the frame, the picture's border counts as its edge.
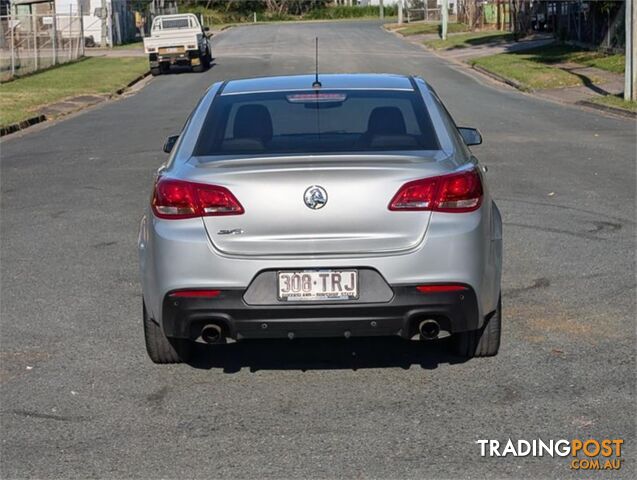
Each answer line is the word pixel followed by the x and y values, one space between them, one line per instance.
pixel 381 9
pixel 444 14
pixel 104 18
pixel 630 79
pixel 400 12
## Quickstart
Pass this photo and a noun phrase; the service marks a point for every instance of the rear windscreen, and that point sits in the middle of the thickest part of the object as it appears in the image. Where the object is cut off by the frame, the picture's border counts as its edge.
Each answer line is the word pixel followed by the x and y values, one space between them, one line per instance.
pixel 176 23
pixel 316 122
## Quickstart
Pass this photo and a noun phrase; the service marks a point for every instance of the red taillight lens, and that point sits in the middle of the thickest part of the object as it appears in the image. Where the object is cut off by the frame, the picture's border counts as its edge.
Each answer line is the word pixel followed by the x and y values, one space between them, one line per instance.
pixel 417 195
pixel 460 192
pixel 195 293
pixel 440 288
pixel 176 199
pixel 457 193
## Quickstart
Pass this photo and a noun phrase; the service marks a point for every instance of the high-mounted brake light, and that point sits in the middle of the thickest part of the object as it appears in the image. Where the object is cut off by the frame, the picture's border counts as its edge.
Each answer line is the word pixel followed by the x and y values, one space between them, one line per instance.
pixel 456 193
pixel 177 199
pixel 316 97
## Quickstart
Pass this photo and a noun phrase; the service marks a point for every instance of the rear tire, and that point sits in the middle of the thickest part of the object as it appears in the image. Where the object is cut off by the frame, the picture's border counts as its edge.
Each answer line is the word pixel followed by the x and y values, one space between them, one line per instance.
pixel 207 60
pixel 161 349
pixel 484 342
pixel 155 71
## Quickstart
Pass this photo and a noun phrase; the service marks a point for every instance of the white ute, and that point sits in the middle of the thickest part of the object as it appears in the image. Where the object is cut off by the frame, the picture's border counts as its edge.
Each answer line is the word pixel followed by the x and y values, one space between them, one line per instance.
pixel 177 40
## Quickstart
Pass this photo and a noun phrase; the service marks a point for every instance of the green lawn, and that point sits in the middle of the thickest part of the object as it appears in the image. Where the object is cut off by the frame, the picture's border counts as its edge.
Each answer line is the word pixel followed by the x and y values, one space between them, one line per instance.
pixel 552 54
pixel 130 46
pixel 529 74
pixel 535 69
pixel 430 28
pixel 616 101
pixel 22 98
pixel 466 40
pixel 612 63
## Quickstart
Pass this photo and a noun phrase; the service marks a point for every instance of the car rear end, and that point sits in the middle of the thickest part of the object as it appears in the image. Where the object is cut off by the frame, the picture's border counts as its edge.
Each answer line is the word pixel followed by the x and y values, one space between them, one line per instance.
pixel 174 51
pixel 174 40
pixel 333 213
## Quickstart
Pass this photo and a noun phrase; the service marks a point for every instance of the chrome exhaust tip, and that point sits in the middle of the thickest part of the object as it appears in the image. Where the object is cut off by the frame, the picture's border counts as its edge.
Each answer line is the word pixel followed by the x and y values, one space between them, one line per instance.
pixel 211 333
pixel 429 329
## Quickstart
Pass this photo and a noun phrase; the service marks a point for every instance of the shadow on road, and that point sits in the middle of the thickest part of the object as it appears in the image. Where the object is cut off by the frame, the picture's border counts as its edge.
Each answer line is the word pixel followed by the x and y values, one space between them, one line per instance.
pixel 323 354
pixel 180 69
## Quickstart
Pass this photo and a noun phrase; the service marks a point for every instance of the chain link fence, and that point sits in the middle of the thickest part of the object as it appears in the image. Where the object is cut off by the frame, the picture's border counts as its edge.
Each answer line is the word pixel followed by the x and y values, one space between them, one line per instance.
pixel 29 43
pixel 422 14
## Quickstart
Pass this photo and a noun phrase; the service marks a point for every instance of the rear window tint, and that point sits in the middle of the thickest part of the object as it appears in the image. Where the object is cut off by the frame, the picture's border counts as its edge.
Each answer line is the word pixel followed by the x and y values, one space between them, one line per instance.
pixel 316 122
pixel 176 23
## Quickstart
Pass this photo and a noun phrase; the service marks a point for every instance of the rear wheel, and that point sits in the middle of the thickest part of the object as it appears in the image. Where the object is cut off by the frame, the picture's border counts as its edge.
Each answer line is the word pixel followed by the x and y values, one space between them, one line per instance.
pixel 207 60
pixel 154 71
pixel 160 348
pixel 484 342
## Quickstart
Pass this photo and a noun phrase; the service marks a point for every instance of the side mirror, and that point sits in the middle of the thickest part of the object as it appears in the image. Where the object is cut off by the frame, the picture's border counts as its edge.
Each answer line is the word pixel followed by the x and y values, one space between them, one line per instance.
pixel 170 143
pixel 206 29
pixel 471 136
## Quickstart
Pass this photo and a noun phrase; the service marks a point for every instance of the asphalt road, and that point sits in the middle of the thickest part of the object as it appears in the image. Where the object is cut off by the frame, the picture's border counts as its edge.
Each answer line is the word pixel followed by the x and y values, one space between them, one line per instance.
pixel 80 399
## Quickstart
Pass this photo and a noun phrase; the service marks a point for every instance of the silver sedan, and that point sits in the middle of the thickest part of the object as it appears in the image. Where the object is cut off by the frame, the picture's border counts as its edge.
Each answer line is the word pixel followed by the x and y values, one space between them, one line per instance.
pixel 348 206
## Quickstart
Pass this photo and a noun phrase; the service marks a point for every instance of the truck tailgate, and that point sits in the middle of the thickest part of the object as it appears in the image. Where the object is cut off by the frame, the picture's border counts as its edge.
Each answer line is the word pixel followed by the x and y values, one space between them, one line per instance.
pixel 176 40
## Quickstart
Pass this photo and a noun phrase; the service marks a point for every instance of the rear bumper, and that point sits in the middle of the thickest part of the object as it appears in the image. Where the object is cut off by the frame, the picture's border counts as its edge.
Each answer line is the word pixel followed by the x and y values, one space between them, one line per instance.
pixel 183 58
pixel 454 311
pixel 176 255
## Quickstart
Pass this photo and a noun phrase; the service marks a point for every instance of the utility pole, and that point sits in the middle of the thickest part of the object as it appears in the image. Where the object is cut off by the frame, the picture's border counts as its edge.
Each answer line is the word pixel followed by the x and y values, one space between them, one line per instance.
pixel 12 26
pixel 54 39
pixel 444 14
pixel 81 27
pixel 630 82
pixel 400 12
pixel 104 17
pixel 381 9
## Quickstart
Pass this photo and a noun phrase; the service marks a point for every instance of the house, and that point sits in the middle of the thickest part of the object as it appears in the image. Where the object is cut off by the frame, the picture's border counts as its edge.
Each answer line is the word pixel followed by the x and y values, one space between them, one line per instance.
pixel 114 26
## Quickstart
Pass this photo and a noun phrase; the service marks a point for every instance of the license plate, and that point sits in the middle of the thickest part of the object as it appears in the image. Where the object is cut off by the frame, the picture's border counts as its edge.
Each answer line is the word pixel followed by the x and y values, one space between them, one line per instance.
pixel 171 50
pixel 318 285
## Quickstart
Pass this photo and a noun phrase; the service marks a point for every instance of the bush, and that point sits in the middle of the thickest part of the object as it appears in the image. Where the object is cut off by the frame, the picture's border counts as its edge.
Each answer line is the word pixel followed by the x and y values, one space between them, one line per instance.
pixel 339 12
pixel 217 16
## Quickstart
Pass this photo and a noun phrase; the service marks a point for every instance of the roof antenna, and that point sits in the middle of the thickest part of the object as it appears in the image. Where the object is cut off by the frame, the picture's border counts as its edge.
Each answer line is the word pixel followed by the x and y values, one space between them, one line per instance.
pixel 316 83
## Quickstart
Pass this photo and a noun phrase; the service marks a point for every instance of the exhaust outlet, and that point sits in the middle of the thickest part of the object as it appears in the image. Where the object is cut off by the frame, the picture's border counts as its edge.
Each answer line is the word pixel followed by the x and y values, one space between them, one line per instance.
pixel 211 333
pixel 429 329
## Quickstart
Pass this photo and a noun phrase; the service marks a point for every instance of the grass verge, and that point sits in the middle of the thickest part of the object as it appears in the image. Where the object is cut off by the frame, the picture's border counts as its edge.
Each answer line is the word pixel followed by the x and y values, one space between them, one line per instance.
pixel 616 101
pixel 429 28
pixel 130 46
pixel 242 12
pixel 552 54
pixel 23 97
pixel 465 40
pixel 536 69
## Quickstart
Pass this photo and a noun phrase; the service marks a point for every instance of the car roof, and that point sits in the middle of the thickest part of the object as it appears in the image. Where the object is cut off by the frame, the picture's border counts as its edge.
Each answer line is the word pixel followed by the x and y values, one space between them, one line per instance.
pixel 176 15
pixel 329 81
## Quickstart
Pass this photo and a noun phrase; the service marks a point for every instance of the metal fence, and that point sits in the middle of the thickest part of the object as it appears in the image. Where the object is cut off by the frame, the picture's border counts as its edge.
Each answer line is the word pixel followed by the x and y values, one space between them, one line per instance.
pixel 29 43
pixel 420 14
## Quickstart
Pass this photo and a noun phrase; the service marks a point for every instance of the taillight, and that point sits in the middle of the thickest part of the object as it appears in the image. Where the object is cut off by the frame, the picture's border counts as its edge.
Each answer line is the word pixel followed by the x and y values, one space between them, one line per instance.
pixel 458 192
pixel 177 199
pixel 440 288
pixel 196 293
